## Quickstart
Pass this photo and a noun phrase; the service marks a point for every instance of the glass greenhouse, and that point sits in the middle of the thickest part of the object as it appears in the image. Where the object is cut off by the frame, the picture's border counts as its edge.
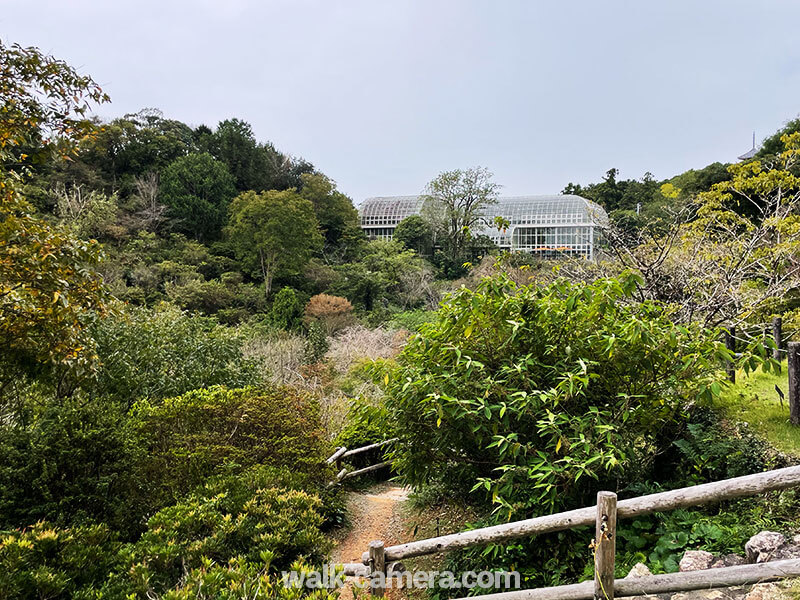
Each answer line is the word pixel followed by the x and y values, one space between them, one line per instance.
pixel 549 226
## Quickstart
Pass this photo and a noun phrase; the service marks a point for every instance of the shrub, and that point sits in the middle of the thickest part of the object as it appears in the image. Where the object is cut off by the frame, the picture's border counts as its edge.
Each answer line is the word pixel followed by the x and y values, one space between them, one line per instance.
pixel 206 432
pixel 662 538
pixel 366 424
pixel 529 394
pixel 164 352
pixel 317 343
pixel 208 297
pixel 238 486
pixel 332 312
pixel 72 464
pixel 273 526
pixel 239 580
pixel 286 309
pixel 59 564
pixel 412 320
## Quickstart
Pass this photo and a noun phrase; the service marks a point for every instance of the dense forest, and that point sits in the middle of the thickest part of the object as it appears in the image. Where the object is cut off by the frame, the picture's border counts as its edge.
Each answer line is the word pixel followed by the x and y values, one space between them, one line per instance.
pixel 192 320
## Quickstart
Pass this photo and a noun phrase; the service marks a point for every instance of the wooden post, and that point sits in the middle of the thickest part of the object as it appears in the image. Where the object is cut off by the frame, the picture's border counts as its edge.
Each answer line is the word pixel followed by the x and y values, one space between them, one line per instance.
pixel 605 540
pixel 730 343
pixel 793 354
pixel 377 565
pixel 777 337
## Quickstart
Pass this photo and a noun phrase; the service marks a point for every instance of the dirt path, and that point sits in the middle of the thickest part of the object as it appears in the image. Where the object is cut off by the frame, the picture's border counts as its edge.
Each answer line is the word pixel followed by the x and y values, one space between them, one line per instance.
pixel 375 515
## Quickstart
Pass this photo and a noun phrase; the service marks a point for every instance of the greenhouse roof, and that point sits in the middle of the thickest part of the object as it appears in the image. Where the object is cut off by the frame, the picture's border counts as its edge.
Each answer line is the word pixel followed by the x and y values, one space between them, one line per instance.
pixel 519 210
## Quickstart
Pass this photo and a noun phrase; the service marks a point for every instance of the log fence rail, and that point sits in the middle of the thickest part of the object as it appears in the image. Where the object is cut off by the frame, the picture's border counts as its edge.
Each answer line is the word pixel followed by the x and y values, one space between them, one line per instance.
pixel 604 516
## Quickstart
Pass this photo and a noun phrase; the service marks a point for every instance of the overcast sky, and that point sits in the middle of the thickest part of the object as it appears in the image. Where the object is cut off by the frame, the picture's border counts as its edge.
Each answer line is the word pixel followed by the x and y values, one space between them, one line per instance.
pixel 382 95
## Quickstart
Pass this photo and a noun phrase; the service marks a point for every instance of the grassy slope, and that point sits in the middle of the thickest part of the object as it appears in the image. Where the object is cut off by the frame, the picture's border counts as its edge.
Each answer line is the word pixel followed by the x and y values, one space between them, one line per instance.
pixel 754 400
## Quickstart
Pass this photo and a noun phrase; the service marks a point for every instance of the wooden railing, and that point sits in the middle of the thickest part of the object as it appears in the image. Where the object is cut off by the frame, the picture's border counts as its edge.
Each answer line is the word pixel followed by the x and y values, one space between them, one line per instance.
pixel 604 516
pixel 342 453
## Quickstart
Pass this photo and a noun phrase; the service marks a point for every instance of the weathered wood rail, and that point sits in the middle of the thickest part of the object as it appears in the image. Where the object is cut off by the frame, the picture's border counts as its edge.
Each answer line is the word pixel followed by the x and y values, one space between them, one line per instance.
pixel 342 453
pixel 604 516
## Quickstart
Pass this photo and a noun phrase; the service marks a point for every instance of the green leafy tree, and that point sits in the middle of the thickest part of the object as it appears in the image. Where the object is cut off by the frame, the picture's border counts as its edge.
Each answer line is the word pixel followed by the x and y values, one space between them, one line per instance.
pixel 387 274
pixel 337 217
pixel 45 104
pixel 729 257
pixel 197 189
pixel 415 233
pixel 273 233
pixel 234 144
pixel 49 289
pixel 774 145
pixel 455 203
pixel 49 295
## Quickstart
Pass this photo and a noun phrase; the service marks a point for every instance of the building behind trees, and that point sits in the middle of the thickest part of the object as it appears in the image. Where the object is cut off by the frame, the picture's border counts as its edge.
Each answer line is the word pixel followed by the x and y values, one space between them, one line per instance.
pixel 548 226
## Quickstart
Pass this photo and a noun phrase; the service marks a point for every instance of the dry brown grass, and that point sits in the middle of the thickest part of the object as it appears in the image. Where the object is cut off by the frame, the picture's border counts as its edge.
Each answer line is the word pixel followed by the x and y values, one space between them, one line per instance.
pixel 280 355
pixel 358 343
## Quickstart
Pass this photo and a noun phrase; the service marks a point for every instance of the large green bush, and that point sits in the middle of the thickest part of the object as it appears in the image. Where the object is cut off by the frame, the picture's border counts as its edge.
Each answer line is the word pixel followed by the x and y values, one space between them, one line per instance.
pixel 164 352
pixel 536 396
pixel 72 463
pixel 218 430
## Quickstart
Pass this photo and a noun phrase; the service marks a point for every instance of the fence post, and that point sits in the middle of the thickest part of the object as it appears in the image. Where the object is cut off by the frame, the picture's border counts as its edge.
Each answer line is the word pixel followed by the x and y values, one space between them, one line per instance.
pixel 730 344
pixel 605 545
pixel 793 355
pixel 777 337
pixel 377 567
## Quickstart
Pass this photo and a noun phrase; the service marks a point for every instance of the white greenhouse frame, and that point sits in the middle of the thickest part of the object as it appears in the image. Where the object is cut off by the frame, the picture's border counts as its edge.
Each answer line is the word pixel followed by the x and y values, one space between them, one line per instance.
pixel 548 226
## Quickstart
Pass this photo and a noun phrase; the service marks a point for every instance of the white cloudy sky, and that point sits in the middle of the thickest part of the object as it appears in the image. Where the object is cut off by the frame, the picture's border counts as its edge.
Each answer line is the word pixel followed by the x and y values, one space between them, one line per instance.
pixel 382 95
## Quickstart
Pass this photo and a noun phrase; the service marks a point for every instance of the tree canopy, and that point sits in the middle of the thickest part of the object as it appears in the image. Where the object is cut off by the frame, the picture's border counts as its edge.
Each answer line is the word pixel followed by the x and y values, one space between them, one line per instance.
pixel 455 202
pixel 274 233
pixel 197 189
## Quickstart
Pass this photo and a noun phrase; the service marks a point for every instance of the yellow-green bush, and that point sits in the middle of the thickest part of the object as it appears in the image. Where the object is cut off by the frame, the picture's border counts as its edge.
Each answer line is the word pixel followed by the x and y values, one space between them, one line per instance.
pixel 222 431
pixel 272 527
pixel 58 564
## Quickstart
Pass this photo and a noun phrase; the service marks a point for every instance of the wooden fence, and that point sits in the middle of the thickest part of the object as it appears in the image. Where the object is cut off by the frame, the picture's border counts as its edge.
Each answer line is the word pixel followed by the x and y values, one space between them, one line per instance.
pixel 604 516
pixel 342 453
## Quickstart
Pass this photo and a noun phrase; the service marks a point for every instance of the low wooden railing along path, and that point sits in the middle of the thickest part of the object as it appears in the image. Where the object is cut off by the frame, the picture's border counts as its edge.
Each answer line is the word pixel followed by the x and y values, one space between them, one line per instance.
pixel 379 559
pixel 342 453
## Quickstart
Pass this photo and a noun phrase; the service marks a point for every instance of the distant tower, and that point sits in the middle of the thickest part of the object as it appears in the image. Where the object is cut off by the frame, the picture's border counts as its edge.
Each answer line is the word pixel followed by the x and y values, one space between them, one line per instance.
pixel 750 153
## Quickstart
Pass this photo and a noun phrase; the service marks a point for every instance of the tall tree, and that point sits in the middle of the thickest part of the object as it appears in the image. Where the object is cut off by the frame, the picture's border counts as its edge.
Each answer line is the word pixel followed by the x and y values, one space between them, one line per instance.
pixel 337 217
pixel 197 189
pixel 273 233
pixel 414 233
pixel 49 291
pixel 234 144
pixel 455 202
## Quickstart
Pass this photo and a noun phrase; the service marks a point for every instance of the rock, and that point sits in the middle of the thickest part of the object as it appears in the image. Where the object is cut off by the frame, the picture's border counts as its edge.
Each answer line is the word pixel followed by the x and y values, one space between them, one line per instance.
pixel 785 552
pixel 766 591
pixel 695 560
pixel 638 570
pixel 760 547
pixel 729 560
pixel 701 595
